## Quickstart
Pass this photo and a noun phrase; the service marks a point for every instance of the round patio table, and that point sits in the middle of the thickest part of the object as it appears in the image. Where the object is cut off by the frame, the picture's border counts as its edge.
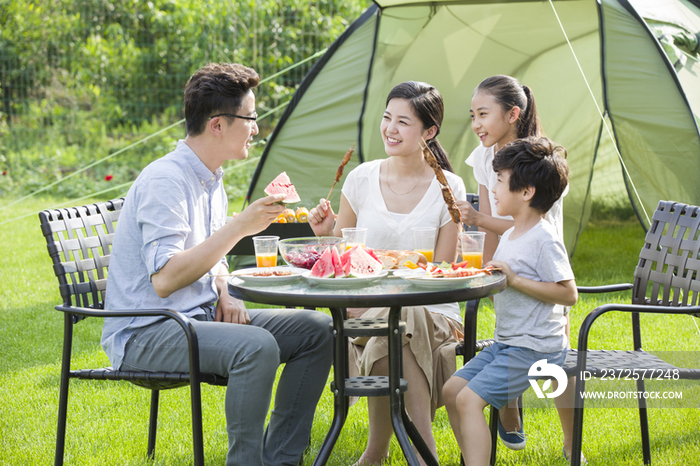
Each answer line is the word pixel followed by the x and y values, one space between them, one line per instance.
pixel 389 291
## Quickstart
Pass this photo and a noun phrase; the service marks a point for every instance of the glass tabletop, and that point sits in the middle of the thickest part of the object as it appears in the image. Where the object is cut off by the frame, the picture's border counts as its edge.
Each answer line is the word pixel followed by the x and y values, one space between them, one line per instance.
pixel 387 290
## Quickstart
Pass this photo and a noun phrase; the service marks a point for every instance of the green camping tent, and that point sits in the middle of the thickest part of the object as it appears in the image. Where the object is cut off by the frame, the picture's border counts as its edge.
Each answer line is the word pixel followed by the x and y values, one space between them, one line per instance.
pixel 612 79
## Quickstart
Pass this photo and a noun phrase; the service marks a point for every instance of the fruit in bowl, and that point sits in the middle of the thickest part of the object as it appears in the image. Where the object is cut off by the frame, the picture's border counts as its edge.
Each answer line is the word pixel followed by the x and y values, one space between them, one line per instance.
pixel 305 251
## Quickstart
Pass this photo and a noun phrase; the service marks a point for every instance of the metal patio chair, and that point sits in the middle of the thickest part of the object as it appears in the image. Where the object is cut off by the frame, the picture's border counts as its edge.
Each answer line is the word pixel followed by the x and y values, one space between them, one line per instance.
pixel 668 268
pixel 79 241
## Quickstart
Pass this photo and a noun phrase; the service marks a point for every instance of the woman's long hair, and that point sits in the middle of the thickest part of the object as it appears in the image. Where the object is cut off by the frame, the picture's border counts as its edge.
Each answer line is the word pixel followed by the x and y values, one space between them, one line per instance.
pixel 427 104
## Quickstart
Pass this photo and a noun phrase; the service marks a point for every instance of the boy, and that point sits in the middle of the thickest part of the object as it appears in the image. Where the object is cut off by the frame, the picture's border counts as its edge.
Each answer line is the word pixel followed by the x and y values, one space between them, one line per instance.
pixel 532 174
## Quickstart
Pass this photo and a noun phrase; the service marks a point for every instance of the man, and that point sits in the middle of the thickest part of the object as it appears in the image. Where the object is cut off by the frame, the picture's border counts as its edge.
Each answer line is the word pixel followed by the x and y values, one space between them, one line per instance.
pixel 168 252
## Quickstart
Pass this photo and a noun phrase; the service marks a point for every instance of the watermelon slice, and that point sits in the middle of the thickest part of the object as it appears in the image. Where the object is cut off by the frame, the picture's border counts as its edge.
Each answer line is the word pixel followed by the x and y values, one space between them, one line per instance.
pixel 372 253
pixel 357 262
pixel 335 258
pixel 324 268
pixel 345 262
pixel 283 185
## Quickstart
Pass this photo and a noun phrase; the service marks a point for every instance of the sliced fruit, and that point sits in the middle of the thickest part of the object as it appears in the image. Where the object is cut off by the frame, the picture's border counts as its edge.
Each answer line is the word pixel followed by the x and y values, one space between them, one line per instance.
pixel 357 262
pixel 459 265
pixel 411 265
pixel 324 268
pixel 372 253
pixel 283 185
pixel 337 265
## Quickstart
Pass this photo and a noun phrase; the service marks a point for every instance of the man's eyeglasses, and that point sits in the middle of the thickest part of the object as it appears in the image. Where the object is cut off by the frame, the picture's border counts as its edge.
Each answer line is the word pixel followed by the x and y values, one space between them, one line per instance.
pixel 250 118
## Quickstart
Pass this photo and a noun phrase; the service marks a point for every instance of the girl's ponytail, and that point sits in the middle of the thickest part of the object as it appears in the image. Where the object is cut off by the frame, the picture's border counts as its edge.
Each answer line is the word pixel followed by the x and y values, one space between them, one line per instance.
pixel 529 121
pixel 509 93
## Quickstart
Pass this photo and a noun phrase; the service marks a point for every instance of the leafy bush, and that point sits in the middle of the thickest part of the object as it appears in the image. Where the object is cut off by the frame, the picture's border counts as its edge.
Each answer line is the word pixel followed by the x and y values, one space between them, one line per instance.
pixel 82 80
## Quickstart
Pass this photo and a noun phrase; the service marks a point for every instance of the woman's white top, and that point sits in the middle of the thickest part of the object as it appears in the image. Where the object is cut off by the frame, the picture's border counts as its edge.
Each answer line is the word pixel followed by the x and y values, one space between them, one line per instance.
pixel 481 160
pixel 386 230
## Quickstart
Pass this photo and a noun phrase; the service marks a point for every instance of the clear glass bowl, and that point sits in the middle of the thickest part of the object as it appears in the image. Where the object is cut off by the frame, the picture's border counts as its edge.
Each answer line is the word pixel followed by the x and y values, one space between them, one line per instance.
pixel 304 252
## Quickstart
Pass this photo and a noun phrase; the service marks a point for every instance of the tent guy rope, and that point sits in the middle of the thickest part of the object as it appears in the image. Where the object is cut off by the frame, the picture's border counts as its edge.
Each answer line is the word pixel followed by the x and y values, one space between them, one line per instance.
pixel 600 112
pixel 141 141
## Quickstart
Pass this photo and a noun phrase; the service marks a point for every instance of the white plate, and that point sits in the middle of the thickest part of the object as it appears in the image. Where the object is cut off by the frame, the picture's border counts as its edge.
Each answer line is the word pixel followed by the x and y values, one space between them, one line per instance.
pixel 247 275
pixel 344 282
pixel 420 278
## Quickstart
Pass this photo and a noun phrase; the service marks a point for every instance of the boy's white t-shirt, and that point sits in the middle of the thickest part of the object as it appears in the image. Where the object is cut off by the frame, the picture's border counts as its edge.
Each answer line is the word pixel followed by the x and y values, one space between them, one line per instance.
pixel 481 160
pixel 388 230
pixel 522 320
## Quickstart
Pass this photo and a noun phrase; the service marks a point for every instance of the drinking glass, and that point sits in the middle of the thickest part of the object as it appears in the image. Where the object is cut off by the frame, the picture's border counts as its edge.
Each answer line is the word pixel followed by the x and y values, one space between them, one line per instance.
pixel 473 247
pixel 354 237
pixel 265 250
pixel 424 241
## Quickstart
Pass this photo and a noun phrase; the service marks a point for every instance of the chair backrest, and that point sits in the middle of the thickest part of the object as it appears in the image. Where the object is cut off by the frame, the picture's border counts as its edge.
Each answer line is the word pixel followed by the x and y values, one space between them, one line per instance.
pixel 669 262
pixel 79 240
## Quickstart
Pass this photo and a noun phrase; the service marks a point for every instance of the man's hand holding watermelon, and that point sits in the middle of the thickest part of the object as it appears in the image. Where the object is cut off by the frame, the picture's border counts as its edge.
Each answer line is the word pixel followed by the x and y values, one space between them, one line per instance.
pixel 259 214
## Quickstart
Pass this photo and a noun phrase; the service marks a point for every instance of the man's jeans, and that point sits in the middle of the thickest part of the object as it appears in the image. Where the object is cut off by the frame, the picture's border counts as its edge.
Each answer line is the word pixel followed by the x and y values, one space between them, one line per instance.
pixel 249 355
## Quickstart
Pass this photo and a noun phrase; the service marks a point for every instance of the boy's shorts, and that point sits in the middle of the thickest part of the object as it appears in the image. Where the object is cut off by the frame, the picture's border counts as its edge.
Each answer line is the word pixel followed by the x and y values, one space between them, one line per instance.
pixel 498 374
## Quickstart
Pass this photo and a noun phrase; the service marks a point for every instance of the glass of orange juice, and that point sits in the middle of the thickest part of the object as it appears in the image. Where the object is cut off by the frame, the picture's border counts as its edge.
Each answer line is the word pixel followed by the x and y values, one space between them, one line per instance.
pixel 473 247
pixel 265 250
pixel 424 241
pixel 354 237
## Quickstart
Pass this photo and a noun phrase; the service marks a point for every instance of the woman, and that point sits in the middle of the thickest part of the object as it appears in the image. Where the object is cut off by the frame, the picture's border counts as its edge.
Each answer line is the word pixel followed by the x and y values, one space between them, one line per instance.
pixel 389 197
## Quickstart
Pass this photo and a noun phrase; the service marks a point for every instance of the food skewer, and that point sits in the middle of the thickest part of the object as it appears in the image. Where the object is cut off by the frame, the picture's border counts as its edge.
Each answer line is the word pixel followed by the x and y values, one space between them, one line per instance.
pixel 339 171
pixel 447 193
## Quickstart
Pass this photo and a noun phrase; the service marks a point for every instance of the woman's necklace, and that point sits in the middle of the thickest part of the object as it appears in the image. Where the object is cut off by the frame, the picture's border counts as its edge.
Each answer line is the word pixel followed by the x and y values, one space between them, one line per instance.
pixel 420 178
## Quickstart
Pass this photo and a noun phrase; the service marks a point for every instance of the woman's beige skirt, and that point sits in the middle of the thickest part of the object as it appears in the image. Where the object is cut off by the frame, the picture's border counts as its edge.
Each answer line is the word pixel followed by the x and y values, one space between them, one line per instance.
pixel 432 339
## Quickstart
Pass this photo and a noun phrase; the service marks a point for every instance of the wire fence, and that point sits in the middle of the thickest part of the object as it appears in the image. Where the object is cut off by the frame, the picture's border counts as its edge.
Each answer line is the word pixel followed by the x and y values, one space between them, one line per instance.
pixel 80 81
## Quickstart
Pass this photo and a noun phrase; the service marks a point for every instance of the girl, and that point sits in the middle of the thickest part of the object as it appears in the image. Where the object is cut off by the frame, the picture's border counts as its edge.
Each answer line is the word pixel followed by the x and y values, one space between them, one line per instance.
pixel 502 111
pixel 389 197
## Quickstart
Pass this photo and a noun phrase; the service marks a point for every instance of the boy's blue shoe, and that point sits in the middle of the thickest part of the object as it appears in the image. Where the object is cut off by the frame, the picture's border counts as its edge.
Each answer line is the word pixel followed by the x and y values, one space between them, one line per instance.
pixel 514 440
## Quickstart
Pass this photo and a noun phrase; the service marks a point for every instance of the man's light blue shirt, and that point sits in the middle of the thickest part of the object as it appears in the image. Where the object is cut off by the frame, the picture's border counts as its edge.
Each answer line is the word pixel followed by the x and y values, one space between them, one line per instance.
pixel 174 204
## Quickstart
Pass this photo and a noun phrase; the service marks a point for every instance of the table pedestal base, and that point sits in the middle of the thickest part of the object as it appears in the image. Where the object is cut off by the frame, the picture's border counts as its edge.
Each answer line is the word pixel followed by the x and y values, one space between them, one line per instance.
pixel 343 386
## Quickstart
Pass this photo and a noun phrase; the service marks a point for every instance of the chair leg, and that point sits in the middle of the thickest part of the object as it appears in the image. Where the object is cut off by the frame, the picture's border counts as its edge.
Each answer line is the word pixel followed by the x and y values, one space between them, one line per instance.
pixel 153 424
pixel 63 390
pixel 644 423
pixel 197 437
pixel 577 441
pixel 493 425
pixel 62 414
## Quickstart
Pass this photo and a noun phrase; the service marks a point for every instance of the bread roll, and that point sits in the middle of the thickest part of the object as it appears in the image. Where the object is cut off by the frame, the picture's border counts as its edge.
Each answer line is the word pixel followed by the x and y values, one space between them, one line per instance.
pixel 412 256
pixel 395 259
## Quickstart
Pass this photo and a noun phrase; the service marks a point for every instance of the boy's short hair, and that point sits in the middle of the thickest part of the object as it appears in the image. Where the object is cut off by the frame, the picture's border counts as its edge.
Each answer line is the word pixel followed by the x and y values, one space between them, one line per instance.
pixel 537 162
pixel 216 88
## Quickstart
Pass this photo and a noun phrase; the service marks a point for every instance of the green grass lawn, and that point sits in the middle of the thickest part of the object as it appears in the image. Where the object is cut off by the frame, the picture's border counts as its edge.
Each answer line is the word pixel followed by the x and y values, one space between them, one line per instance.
pixel 107 422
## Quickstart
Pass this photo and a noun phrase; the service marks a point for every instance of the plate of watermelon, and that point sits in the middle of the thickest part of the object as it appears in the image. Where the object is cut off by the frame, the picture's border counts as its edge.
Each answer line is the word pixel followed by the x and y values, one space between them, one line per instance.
pixel 355 267
pixel 344 281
